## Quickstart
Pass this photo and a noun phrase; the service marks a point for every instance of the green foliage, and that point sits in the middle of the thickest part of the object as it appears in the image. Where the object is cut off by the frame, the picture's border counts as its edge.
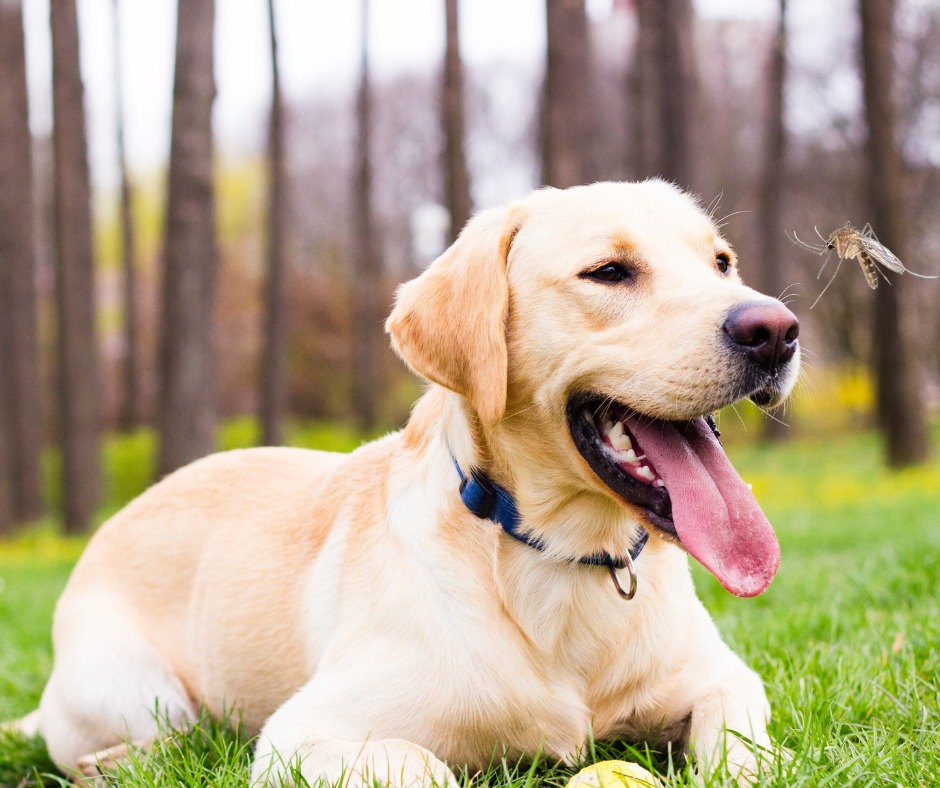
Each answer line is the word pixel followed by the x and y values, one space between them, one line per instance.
pixel 129 459
pixel 31 579
pixel 845 638
pixel 239 433
pixel 129 462
pixel 324 436
pixel 827 400
pixel 24 763
pixel 210 753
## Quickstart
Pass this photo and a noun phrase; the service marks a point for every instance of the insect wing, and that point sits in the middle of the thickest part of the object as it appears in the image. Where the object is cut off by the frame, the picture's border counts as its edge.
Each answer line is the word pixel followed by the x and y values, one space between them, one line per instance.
pixel 878 253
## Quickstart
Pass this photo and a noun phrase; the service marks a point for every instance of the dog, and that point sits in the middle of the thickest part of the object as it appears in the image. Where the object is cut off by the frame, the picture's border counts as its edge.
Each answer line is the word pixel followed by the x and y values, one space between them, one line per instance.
pixel 507 574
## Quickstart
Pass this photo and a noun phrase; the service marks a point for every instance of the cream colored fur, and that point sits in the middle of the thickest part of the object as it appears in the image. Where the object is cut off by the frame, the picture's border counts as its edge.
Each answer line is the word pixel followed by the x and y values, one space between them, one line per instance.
pixel 353 610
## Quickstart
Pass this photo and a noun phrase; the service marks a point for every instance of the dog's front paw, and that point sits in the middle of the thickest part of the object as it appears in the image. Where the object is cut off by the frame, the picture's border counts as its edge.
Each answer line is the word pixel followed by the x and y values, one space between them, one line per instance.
pixel 388 762
pixel 728 732
pixel 746 759
pixel 733 754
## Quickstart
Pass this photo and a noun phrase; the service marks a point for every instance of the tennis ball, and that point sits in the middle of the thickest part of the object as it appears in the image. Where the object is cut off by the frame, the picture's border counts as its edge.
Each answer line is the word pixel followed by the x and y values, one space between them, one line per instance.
pixel 613 774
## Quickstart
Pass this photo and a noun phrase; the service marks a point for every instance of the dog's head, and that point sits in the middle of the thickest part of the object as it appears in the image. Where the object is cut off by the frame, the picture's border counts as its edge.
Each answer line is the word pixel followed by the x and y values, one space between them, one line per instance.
pixel 590 331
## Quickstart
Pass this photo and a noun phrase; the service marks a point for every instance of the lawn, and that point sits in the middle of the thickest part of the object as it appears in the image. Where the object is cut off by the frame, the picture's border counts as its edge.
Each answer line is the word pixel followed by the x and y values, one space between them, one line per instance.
pixel 846 638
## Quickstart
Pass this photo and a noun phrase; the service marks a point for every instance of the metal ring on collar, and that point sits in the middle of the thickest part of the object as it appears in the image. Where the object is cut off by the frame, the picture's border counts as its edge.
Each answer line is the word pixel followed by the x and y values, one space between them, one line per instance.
pixel 628 565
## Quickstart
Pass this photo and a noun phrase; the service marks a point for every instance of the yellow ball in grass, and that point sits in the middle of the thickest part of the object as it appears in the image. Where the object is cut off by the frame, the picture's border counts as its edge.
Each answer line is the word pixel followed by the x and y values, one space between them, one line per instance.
pixel 613 774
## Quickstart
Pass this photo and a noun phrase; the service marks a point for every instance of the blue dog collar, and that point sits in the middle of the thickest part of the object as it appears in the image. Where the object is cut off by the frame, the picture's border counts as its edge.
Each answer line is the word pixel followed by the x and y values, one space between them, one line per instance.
pixel 488 501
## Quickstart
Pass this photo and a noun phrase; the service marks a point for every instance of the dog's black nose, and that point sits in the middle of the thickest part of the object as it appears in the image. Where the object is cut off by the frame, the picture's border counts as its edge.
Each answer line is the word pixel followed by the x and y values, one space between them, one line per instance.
pixel 766 332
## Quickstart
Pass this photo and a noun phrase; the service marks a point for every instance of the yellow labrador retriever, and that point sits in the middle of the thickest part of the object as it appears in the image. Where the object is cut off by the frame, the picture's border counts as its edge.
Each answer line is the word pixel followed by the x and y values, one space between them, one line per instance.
pixel 455 590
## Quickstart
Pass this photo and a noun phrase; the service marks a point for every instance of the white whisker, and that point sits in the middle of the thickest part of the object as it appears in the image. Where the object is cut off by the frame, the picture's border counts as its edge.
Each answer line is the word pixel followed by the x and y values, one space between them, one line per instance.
pixel 735 409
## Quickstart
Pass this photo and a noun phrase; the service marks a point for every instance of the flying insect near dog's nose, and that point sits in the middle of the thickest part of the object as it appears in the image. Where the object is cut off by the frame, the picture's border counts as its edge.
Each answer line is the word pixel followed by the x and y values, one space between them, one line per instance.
pixel 849 242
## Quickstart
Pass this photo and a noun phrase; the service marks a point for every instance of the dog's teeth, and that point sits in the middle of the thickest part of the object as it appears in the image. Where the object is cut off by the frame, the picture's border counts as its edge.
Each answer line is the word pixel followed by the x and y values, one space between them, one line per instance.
pixel 615 433
pixel 645 473
pixel 623 444
pixel 659 483
pixel 630 456
pixel 621 441
pixel 750 486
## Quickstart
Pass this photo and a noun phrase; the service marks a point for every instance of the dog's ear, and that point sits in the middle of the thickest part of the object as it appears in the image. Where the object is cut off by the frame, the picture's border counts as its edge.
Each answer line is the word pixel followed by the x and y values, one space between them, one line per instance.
pixel 449 324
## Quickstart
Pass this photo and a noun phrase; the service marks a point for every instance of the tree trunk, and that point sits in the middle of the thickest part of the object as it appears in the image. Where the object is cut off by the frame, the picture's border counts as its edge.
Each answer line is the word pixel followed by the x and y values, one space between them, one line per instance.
pixel 6 485
pixel 272 364
pixel 19 381
pixel 640 95
pixel 186 408
pixel 566 120
pixel 130 396
pixel 79 386
pixel 367 317
pixel 772 280
pixel 667 86
pixel 900 400
pixel 457 178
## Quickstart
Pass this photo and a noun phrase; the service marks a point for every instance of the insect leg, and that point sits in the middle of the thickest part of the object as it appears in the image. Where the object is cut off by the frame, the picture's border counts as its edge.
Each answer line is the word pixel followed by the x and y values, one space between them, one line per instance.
pixel 838 266
pixel 826 262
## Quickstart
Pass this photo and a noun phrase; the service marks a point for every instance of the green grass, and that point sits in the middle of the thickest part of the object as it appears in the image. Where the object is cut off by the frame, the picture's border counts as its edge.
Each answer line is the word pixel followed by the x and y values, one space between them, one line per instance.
pixel 846 638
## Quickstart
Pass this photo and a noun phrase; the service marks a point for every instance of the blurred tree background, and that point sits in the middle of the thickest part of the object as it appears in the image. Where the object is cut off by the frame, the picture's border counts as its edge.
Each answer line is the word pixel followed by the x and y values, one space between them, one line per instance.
pixel 232 250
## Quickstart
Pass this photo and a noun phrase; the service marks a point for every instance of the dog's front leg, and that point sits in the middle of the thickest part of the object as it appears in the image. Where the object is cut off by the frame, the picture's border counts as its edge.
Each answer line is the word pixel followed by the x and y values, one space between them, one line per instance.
pixel 393 762
pixel 728 728
pixel 304 737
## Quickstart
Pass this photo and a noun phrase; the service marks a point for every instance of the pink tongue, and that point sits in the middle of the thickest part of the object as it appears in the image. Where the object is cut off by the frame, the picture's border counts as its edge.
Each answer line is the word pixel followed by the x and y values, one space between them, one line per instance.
pixel 716 516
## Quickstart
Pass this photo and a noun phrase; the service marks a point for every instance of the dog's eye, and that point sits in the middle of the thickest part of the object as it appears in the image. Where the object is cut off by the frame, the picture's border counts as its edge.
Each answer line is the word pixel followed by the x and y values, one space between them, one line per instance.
pixel 723 261
pixel 610 273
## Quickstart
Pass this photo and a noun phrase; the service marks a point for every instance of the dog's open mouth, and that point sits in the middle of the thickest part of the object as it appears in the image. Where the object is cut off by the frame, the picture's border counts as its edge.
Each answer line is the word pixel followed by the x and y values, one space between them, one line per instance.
pixel 678 474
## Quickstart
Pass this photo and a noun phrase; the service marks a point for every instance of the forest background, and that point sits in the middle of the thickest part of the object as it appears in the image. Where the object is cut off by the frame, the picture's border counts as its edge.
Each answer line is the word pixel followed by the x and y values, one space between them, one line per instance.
pixel 212 230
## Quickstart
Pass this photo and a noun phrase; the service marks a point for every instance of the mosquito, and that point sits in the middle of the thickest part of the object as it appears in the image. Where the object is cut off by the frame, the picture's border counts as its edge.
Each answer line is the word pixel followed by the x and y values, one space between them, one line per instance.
pixel 849 242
